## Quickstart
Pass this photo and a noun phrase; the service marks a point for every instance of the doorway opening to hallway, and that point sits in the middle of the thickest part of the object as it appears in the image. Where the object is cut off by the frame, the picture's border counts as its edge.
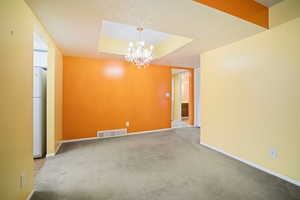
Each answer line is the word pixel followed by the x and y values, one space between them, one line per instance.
pixel 40 63
pixel 181 98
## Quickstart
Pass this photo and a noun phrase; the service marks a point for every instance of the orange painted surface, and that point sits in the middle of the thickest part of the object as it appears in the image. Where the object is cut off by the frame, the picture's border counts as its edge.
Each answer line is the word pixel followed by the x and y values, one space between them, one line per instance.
pixel 248 10
pixel 104 94
pixel 191 103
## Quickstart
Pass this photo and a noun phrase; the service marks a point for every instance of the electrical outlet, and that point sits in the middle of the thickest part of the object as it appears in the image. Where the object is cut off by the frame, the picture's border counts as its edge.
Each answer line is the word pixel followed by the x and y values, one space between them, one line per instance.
pixel 23 179
pixel 127 124
pixel 273 153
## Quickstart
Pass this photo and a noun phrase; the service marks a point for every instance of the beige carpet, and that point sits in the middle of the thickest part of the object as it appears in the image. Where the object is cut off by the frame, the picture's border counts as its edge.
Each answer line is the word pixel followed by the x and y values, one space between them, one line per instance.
pixel 159 166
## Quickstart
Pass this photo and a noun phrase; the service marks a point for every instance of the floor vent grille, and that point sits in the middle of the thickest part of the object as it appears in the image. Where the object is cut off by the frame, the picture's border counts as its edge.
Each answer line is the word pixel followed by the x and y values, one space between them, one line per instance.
pixel 110 133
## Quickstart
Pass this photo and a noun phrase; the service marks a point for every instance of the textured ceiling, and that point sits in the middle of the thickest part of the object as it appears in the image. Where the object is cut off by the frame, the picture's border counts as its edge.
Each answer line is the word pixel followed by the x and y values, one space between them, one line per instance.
pixel 268 3
pixel 119 31
pixel 75 26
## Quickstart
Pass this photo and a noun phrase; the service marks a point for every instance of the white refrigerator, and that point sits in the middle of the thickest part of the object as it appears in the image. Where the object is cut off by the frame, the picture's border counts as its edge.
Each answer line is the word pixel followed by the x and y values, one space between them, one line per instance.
pixel 39 111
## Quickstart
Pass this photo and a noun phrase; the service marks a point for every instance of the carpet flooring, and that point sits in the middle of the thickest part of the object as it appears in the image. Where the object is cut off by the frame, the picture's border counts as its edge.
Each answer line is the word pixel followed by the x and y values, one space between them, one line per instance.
pixel 159 166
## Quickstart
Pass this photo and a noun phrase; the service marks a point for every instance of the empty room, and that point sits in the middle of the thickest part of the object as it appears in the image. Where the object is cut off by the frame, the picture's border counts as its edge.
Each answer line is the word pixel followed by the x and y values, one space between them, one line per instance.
pixel 150 100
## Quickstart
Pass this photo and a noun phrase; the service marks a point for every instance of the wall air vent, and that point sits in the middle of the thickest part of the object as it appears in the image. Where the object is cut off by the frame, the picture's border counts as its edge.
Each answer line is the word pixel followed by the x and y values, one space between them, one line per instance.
pixel 111 133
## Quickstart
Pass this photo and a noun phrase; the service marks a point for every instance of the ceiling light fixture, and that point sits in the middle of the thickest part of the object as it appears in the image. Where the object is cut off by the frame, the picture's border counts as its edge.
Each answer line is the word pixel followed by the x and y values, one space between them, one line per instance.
pixel 138 53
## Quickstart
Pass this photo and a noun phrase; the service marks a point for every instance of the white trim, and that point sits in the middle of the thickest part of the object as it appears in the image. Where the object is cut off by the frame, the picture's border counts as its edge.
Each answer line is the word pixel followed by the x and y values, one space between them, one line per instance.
pixel 181 126
pixel 172 99
pixel 293 181
pixel 179 96
pixel 49 155
pixel 83 139
pixel 151 131
pixel 128 134
pixel 37 156
pixel 30 195
pixel 197 99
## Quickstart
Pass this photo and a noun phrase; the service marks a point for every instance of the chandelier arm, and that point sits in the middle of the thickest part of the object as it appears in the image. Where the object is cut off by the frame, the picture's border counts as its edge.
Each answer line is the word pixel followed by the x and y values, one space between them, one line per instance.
pixel 138 53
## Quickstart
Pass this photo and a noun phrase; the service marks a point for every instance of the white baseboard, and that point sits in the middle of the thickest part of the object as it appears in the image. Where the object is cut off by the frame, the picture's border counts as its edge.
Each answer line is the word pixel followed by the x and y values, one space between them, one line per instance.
pixel 152 131
pixel 82 139
pixel 128 134
pixel 181 126
pixel 49 155
pixel 30 195
pixel 290 180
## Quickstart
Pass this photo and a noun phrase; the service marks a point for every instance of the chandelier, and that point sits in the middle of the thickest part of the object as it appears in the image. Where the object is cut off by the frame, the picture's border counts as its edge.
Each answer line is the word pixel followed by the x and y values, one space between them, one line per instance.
pixel 138 53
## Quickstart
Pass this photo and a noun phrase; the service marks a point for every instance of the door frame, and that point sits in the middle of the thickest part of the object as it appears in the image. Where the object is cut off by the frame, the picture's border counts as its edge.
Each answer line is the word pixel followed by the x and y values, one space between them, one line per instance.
pixel 179 96
pixel 197 97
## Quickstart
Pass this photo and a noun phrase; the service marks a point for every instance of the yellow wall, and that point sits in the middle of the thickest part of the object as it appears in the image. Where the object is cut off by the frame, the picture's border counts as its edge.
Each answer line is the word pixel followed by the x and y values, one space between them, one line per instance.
pixel 17 26
pixel 58 99
pixel 108 45
pixel 54 98
pixel 283 12
pixel 250 94
pixel 15 99
pixel 54 88
pixel 170 44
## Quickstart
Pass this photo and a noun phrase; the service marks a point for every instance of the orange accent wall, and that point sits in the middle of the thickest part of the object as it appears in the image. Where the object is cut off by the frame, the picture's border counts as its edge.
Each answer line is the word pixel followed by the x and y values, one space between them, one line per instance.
pixel 248 10
pixel 103 94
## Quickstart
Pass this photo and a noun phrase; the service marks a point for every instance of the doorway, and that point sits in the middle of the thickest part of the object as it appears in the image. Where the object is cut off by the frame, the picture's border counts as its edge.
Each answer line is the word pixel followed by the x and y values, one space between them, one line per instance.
pixel 181 98
pixel 39 99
